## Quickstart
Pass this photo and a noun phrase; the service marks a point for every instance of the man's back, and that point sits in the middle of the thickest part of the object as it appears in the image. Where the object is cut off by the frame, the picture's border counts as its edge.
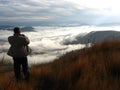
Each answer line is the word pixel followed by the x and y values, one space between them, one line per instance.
pixel 18 40
pixel 18 45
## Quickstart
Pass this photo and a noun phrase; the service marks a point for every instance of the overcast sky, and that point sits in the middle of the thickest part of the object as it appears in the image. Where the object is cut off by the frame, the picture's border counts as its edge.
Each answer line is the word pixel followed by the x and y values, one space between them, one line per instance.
pixel 93 12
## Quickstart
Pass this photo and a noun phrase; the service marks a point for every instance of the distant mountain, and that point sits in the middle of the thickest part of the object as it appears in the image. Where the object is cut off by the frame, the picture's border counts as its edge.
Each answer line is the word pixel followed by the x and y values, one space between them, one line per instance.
pixel 6 27
pixel 23 29
pixel 95 37
pixel 27 29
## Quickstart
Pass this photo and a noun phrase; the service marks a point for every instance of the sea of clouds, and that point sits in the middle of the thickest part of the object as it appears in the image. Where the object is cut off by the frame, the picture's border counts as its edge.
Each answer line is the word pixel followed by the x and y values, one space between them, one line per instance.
pixel 47 42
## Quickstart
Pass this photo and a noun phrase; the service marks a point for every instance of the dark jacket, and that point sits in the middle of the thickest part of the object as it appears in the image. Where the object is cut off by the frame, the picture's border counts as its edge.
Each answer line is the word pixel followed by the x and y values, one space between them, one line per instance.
pixel 18 44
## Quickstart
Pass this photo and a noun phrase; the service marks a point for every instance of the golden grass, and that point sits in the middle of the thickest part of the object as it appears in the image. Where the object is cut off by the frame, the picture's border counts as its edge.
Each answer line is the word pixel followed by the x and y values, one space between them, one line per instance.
pixel 94 68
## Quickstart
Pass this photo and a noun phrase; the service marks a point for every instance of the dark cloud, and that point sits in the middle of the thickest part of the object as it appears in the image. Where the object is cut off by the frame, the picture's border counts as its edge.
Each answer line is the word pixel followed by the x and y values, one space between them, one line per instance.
pixel 4 2
pixel 35 11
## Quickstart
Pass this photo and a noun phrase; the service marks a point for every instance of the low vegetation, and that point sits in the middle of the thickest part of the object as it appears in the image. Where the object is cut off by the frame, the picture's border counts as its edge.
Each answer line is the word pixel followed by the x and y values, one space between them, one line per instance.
pixel 94 68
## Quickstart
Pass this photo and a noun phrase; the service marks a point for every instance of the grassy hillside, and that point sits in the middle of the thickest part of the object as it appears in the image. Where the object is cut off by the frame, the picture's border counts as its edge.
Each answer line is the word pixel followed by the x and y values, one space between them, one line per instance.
pixel 94 68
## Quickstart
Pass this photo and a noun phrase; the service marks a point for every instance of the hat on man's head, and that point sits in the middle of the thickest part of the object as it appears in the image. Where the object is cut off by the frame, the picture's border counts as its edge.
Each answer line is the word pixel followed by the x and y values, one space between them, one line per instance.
pixel 17 30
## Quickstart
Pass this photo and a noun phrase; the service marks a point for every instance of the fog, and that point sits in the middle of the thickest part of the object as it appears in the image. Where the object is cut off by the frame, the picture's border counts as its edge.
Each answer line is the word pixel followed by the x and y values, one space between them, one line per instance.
pixel 47 42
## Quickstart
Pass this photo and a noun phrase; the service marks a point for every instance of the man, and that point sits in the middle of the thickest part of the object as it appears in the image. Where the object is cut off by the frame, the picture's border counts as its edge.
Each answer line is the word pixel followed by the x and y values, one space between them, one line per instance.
pixel 19 53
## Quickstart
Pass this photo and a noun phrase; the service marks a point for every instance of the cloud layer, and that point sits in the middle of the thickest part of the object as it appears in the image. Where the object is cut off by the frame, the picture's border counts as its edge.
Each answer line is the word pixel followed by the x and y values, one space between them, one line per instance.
pixel 54 11
pixel 47 43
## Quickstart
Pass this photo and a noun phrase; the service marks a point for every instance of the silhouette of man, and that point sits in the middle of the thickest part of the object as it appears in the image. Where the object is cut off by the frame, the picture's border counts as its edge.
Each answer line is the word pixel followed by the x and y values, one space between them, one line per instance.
pixel 19 53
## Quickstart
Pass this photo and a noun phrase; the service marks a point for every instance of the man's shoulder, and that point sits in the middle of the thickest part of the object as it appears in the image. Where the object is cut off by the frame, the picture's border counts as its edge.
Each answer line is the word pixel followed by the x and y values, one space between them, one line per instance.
pixel 19 36
pixel 10 37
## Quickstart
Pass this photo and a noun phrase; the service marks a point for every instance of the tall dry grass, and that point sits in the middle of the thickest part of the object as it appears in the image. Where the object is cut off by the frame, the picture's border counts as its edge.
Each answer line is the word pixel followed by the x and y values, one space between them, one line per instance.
pixel 94 68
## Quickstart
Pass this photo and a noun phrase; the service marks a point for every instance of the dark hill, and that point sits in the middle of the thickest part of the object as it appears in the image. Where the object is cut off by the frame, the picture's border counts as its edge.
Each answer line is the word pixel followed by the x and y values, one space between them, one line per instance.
pixel 94 68
pixel 95 37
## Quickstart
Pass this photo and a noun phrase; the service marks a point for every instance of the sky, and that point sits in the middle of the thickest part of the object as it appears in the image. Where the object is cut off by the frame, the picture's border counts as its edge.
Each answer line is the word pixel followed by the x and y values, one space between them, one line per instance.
pixel 41 12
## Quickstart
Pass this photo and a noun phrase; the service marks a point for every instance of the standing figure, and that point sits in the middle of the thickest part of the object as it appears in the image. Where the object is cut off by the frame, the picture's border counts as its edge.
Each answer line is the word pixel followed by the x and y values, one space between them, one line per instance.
pixel 18 51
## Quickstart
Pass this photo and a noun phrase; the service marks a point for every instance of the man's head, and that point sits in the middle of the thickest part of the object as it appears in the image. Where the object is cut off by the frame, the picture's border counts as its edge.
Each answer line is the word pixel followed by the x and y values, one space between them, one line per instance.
pixel 17 30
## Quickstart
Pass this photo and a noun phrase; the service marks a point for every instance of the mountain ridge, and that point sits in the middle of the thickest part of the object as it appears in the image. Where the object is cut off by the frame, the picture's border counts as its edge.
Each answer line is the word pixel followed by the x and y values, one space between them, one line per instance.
pixel 95 37
pixel 23 28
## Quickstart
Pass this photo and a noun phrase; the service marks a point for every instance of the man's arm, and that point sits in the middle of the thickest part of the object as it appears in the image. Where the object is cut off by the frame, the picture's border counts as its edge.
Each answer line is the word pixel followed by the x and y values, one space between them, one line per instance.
pixel 26 40
pixel 9 40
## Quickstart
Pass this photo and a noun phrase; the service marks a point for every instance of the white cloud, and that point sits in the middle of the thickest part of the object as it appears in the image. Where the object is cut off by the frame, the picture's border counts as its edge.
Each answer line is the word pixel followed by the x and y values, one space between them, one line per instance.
pixel 105 6
pixel 47 42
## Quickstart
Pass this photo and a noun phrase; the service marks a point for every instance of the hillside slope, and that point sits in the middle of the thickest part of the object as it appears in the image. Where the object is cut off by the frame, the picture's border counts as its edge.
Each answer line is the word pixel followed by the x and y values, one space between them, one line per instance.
pixel 94 68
